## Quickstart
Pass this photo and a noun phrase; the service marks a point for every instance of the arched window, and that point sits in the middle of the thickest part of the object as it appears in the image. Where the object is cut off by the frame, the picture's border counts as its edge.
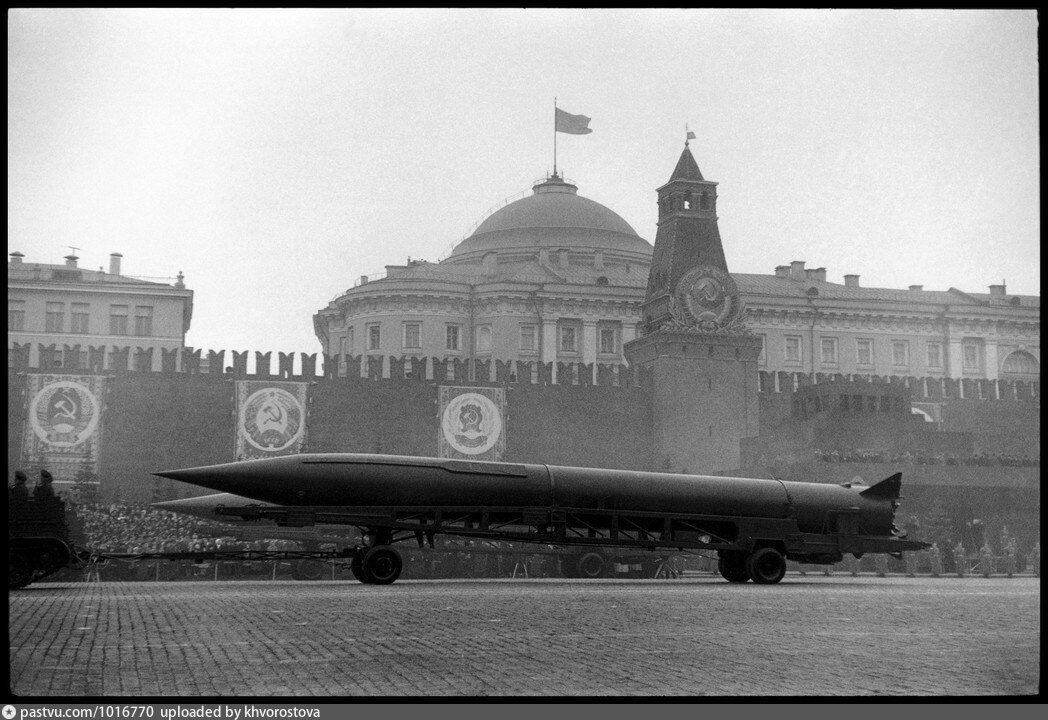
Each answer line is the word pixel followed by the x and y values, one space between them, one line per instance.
pixel 1021 363
pixel 704 201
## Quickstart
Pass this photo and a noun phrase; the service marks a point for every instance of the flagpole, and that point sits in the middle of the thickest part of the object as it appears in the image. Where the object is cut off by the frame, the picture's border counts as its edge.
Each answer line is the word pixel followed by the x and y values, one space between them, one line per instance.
pixel 554 135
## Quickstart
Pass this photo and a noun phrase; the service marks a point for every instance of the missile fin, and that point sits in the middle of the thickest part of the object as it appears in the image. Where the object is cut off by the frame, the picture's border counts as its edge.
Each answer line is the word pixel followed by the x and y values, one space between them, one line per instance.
pixel 889 488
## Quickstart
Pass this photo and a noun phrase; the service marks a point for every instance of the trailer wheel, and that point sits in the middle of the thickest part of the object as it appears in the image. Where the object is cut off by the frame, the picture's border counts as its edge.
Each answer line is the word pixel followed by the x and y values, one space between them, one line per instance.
pixel 20 571
pixel 766 566
pixel 356 566
pixel 382 564
pixel 589 565
pixel 732 566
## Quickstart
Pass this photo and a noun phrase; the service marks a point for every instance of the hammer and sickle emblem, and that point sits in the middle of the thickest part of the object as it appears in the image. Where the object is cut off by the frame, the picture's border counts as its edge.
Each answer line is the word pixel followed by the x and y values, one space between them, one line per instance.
pixel 66 408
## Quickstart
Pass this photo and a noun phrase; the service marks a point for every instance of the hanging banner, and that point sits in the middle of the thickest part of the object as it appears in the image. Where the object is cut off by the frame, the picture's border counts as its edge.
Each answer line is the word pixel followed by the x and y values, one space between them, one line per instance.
pixel 63 429
pixel 271 418
pixel 472 423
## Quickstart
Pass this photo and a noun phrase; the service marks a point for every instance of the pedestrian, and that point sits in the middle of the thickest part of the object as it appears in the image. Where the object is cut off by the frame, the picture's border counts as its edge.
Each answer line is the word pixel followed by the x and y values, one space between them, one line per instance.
pixel 1035 559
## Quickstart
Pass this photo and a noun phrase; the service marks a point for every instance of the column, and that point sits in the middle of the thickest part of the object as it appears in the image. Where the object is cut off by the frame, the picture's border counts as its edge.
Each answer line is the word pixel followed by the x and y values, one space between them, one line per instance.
pixel 956 352
pixel 549 345
pixel 990 348
pixel 589 347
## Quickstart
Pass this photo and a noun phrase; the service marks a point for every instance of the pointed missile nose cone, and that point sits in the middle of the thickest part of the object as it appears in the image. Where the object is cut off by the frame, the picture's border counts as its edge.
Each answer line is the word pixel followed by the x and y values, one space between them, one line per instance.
pixel 268 480
pixel 228 478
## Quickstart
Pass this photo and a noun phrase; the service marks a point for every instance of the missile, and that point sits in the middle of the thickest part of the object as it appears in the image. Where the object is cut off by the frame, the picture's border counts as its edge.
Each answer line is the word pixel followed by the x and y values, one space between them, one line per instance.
pixel 363 480
pixel 206 507
pixel 748 521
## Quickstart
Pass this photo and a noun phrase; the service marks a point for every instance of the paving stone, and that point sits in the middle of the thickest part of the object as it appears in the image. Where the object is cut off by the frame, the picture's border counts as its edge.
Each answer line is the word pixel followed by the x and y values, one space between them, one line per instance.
pixel 810 635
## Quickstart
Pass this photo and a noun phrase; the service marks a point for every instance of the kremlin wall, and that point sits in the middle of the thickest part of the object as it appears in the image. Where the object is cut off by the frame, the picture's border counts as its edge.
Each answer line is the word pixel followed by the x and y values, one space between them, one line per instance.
pixel 162 420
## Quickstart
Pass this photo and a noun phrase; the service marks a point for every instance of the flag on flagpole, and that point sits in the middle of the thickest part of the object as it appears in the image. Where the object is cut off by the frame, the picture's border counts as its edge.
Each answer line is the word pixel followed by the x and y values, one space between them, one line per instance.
pixel 572 124
pixel 691 135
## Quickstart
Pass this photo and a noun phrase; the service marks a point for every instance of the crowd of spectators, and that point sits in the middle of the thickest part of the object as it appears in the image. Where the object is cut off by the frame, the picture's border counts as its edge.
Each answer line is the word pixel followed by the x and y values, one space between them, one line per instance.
pixel 121 528
pixel 921 458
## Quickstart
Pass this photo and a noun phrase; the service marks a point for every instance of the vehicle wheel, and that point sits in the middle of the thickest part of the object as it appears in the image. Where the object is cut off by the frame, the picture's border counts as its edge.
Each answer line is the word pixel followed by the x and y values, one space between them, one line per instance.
pixel 766 566
pixel 382 564
pixel 589 565
pixel 732 567
pixel 308 570
pixel 356 566
pixel 20 571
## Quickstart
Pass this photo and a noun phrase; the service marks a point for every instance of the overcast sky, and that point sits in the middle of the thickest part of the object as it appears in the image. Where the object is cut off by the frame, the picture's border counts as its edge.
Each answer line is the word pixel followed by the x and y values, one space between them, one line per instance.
pixel 274 156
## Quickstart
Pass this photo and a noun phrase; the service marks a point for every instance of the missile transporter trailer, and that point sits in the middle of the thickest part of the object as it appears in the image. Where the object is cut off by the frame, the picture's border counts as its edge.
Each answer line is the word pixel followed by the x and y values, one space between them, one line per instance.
pixel 754 525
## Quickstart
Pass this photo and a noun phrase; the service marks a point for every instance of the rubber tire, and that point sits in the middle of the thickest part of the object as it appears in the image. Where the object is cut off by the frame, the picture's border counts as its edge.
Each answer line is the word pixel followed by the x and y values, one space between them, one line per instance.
pixel 20 571
pixel 590 566
pixel 766 566
pixel 732 567
pixel 356 566
pixel 382 564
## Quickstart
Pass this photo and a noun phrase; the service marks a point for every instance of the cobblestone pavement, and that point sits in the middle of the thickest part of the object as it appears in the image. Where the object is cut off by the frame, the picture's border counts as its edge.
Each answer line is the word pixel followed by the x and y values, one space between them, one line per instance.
pixel 699 636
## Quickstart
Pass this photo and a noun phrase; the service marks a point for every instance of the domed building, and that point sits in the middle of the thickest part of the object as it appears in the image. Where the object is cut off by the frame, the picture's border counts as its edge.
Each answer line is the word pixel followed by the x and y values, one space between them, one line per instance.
pixel 552 277
pixel 558 278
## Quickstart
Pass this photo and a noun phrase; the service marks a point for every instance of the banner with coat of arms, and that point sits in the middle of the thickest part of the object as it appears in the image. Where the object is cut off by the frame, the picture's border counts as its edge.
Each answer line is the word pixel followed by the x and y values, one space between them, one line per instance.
pixel 271 418
pixel 63 429
pixel 472 423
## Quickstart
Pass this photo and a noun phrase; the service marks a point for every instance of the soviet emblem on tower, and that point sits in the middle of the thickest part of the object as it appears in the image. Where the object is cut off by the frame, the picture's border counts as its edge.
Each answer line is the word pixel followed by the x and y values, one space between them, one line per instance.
pixel 707 300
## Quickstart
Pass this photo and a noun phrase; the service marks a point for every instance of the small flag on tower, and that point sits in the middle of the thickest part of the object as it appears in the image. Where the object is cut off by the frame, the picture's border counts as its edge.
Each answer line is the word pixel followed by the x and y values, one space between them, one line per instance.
pixel 691 135
pixel 572 124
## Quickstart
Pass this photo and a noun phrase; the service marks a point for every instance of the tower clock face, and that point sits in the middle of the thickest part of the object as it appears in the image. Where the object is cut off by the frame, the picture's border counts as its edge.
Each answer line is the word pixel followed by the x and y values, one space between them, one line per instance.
pixel 708 296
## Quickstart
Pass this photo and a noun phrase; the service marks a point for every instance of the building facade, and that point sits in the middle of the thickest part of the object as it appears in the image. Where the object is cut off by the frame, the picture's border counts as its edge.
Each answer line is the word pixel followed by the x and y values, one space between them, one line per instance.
pixel 69 318
pixel 558 278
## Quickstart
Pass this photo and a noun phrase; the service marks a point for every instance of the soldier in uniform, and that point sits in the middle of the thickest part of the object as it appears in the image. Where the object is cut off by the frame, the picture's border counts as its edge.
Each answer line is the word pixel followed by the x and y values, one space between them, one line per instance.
pixel 43 490
pixel 960 559
pixel 986 560
pixel 18 492
pixel 1010 552
pixel 936 560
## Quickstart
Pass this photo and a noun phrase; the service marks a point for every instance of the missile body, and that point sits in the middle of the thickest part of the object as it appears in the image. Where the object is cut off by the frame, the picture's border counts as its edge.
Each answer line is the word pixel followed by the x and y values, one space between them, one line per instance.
pixel 366 480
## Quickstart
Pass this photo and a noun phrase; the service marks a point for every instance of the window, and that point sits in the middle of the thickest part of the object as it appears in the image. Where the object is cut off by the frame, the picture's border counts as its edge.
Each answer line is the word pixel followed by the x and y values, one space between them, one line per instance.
pixel 1021 363
pixel 864 352
pixel 374 336
pixel 793 349
pixel 934 355
pixel 343 348
pixel 15 315
pixel 79 317
pixel 972 357
pixel 900 353
pixel 118 319
pixel 529 338
pixel 143 320
pixel 608 345
pixel 569 340
pixel 412 335
pixel 763 358
pixel 453 338
pixel 829 351
pixel 54 320
pixel 484 338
